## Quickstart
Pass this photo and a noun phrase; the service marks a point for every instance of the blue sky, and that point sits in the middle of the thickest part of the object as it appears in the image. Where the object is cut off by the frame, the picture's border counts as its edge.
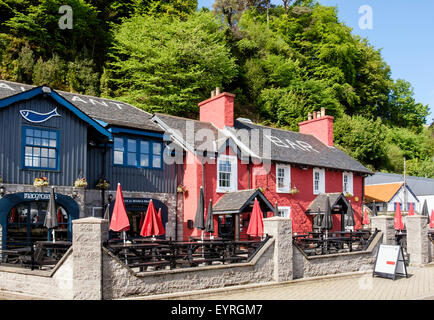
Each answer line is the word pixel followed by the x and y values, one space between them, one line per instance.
pixel 403 30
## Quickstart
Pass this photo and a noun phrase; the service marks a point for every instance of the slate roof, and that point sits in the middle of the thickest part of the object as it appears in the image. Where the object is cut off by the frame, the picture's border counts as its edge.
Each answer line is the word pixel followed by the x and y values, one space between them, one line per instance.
pixel 292 147
pixel 297 148
pixel 187 129
pixel 419 185
pixel 237 201
pixel 110 111
pixel 320 202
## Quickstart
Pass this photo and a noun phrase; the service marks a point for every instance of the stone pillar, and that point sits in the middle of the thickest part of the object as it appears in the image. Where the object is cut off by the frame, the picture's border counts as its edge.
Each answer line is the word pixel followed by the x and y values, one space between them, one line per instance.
pixel 417 240
pixel 281 231
pixel 386 225
pixel 88 236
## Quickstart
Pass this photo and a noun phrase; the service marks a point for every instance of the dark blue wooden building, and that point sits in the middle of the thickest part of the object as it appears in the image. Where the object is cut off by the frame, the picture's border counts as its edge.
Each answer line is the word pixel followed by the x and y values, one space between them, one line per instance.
pixel 65 136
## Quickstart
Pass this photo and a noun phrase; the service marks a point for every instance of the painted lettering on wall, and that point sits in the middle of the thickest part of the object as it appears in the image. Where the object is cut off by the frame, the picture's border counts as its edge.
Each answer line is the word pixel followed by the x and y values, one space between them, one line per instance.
pixel 296 145
pixel 37 196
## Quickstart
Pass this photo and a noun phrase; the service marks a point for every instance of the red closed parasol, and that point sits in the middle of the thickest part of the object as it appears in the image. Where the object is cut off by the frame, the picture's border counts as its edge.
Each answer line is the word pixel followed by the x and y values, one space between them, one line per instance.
pixel 411 210
pixel 119 220
pixel 256 225
pixel 431 223
pixel 150 225
pixel 399 225
pixel 365 218
pixel 160 223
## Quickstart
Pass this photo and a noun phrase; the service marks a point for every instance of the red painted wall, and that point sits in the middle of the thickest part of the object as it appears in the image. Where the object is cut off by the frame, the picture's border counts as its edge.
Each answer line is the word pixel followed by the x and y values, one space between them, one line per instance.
pixel 302 179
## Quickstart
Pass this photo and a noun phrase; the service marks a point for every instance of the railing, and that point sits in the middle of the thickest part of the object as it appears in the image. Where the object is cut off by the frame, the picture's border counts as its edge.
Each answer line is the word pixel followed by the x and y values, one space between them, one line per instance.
pixel 148 255
pixel 40 255
pixel 317 243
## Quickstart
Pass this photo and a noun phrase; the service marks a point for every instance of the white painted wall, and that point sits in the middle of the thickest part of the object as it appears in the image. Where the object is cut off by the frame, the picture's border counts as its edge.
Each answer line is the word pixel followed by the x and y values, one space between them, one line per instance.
pixel 399 197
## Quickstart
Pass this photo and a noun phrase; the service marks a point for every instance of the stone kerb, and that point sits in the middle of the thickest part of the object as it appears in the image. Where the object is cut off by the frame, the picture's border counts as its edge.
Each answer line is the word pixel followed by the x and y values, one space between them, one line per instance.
pixel 281 230
pixel 417 240
pixel 88 236
pixel 386 225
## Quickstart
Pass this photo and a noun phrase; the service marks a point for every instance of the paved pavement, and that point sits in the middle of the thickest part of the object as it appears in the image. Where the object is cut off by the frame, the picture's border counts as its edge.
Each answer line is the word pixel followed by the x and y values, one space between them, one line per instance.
pixel 359 286
pixel 419 285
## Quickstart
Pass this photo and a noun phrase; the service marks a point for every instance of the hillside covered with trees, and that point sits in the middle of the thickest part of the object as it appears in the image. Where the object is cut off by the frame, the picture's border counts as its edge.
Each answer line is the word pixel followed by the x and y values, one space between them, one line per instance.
pixel 281 61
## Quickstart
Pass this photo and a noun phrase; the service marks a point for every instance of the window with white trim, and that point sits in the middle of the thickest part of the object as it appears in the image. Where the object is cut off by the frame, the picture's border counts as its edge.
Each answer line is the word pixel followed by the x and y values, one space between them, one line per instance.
pixel 347 182
pixel 284 212
pixel 227 173
pixel 283 178
pixel 318 181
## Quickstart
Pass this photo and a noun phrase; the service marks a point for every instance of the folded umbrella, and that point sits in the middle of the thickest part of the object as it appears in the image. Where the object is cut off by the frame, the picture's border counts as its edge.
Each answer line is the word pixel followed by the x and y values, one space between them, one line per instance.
pixel 399 225
pixel 50 221
pixel 411 210
pixel 349 222
pixel 365 218
pixel 119 221
pixel 150 225
pixel 327 222
pixel 425 210
pixel 209 223
pixel 256 224
pixel 160 224
pixel 199 219
pixel 431 223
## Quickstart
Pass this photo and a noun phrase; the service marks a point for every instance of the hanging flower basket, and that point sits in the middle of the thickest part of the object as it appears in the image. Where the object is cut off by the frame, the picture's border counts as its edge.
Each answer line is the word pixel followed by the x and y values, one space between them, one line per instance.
pixel 181 189
pixel 41 182
pixel 348 195
pixel 102 184
pixel 80 183
pixel 1 180
pixel 294 190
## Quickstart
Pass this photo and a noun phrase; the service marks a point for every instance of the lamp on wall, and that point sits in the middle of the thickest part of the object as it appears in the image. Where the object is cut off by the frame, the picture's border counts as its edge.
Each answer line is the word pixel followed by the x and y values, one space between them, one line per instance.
pixel 2 191
pixel 110 197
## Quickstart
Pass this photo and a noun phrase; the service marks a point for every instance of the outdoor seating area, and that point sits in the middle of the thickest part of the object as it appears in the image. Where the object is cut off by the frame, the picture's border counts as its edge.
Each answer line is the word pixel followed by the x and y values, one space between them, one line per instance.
pixel 40 255
pixel 318 243
pixel 151 255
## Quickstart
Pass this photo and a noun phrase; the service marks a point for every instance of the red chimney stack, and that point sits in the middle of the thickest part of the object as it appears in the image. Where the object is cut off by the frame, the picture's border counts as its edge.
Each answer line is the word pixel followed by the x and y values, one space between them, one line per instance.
pixel 219 109
pixel 320 126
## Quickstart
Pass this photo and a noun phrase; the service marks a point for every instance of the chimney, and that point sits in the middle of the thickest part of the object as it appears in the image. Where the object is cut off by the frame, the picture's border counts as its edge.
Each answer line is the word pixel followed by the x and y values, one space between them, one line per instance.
pixel 320 126
pixel 219 109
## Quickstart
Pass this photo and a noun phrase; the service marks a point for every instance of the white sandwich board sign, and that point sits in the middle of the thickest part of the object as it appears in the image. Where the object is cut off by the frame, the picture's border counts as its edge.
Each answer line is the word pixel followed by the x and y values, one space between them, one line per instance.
pixel 390 262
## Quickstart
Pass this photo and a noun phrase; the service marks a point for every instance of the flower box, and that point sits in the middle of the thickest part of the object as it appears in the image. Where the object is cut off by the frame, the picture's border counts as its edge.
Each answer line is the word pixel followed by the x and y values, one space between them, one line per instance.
pixel 41 182
pixel 80 183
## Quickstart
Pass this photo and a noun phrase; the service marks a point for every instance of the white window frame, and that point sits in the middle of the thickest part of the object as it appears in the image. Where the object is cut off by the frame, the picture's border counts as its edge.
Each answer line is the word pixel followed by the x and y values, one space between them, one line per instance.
pixel 287 178
pixel 286 212
pixel 234 173
pixel 349 176
pixel 321 181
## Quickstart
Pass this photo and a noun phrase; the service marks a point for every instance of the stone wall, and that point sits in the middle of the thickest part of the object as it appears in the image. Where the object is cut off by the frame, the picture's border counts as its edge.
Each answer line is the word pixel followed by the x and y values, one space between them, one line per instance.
pixel 313 266
pixel 53 284
pixel 272 263
pixel 120 281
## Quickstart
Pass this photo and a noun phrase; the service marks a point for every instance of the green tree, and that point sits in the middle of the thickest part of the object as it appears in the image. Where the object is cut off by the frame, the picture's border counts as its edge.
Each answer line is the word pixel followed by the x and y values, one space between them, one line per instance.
pixel 168 65
pixel 404 110
pixel 50 72
pixel 363 139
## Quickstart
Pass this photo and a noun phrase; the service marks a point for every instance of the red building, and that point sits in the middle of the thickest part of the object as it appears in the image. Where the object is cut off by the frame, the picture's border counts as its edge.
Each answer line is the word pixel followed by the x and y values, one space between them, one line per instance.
pixel 234 158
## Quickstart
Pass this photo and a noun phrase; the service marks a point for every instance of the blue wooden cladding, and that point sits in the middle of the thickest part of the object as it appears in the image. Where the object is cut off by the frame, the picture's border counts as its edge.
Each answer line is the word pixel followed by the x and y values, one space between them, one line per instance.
pixel 42 134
